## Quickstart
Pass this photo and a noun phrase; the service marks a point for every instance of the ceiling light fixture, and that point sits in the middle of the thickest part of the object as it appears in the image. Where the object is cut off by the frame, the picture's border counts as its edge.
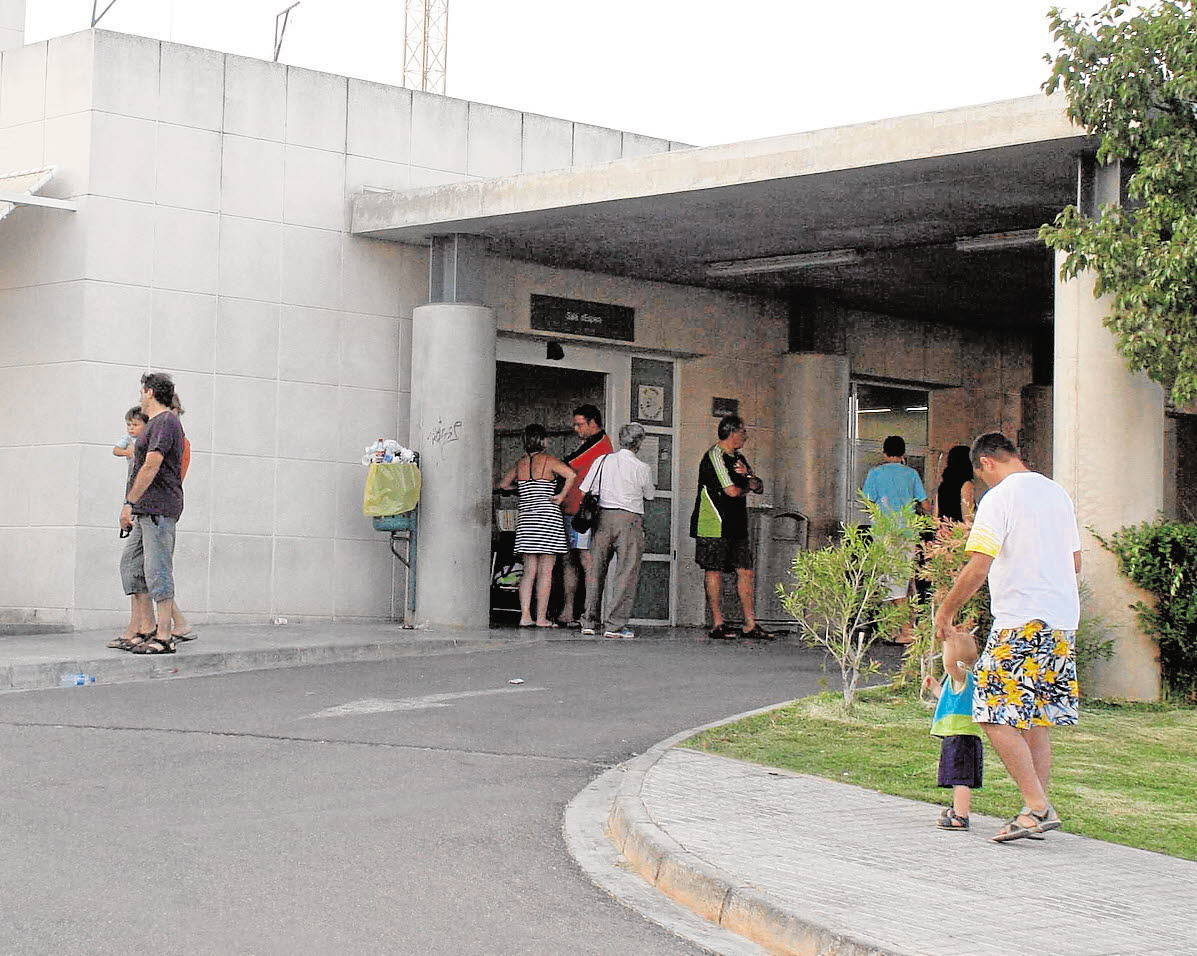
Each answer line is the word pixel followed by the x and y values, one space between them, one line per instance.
pixel 799 260
pixel 991 241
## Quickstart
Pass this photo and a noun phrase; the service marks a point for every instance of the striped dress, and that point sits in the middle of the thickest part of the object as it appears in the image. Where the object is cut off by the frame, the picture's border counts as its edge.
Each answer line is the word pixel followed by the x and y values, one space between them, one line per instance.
pixel 540 528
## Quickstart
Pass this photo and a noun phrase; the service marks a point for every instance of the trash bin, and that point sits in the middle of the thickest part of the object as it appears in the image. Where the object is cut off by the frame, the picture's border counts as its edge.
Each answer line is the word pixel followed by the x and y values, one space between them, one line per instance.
pixel 390 499
pixel 392 488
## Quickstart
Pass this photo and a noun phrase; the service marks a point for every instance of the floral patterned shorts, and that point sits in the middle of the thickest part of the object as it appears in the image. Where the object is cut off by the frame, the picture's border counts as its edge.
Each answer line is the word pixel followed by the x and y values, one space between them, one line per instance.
pixel 1026 677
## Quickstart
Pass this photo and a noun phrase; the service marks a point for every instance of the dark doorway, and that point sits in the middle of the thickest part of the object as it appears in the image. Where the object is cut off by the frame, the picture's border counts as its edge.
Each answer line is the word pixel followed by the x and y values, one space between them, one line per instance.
pixel 546 395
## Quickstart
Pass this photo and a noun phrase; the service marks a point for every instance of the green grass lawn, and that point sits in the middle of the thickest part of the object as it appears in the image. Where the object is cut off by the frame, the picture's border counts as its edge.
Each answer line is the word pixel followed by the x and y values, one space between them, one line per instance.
pixel 1127 774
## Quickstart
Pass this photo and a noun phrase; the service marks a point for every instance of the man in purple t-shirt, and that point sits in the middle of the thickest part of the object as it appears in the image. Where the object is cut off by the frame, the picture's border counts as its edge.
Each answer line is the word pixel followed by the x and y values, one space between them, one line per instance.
pixel 151 510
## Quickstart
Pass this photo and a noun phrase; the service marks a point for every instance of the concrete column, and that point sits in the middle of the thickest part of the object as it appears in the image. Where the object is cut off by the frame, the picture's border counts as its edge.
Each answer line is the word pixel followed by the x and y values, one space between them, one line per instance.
pixel 452 426
pixel 1109 455
pixel 812 439
pixel 12 24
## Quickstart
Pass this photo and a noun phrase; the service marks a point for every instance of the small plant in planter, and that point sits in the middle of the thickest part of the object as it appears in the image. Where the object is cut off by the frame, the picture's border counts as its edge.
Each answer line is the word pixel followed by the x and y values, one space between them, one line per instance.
pixel 838 594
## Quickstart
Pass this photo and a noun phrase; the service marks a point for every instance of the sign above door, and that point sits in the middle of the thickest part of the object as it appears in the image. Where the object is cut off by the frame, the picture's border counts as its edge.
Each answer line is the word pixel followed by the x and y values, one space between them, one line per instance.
pixel 576 317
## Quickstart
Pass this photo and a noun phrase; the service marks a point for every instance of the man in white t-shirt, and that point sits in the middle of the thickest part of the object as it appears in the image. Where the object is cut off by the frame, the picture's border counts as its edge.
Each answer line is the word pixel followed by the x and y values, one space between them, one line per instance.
pixel 623 483
pixel 1025 540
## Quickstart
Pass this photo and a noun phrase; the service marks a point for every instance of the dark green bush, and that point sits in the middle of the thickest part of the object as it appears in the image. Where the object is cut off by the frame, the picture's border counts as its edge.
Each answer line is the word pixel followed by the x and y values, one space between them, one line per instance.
pixel 1161 557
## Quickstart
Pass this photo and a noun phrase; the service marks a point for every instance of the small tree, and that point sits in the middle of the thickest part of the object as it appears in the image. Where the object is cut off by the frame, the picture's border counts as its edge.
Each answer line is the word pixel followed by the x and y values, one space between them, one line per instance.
pixel 1131 78
pixel 943 559
pixel 838 594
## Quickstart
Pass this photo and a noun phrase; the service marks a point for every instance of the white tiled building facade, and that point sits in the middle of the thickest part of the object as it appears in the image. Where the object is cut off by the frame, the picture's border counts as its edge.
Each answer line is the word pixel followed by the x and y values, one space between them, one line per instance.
pixel 211 241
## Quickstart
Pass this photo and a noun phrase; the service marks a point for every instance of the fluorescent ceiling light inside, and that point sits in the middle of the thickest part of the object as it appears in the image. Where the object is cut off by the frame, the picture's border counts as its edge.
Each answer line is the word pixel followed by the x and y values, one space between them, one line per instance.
pixel 990 241
pixel 798 260
pixel 872 411
pixel 917 408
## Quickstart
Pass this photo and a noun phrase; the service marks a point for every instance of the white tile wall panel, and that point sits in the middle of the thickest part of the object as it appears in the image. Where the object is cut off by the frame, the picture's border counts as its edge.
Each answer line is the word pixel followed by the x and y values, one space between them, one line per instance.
pixel 189 167
pixel 316 109
pixel 247 337
pixel 191 87
pixel 379 122
pixel 309 345
pixel 255 98
pixel 251 178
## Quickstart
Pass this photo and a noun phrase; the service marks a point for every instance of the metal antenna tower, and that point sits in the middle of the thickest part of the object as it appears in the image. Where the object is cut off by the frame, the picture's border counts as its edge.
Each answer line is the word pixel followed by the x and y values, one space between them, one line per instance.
pixel 426 45
pixel 97 16
pixel 280 28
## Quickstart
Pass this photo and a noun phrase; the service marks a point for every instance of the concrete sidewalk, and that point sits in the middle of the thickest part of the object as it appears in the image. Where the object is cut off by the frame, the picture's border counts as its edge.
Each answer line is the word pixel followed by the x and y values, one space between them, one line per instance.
pixel 34 662
pixel 806 865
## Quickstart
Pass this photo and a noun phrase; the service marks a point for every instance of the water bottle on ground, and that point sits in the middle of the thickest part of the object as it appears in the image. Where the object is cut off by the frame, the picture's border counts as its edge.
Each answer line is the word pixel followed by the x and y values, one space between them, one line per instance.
pixel 77 680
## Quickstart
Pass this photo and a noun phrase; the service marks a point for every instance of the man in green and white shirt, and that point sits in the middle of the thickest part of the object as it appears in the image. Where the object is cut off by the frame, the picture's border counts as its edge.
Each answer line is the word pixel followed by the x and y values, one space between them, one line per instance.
pixel 719 525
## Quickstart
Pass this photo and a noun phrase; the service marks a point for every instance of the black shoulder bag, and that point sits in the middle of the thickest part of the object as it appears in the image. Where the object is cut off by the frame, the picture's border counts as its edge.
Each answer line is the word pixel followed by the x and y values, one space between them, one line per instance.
pixel 588 511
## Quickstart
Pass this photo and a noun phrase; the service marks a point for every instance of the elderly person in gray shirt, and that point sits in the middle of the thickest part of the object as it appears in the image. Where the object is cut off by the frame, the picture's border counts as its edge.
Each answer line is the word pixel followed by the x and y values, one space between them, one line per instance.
pixel 623 483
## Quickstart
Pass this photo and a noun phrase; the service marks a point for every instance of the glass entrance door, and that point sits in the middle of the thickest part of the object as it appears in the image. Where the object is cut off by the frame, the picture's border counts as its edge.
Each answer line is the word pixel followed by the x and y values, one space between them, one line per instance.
pixel 651 402
pixel 876 411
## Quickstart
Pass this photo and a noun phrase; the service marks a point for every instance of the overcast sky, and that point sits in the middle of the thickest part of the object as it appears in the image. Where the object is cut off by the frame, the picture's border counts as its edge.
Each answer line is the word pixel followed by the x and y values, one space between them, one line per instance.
pixel 698 71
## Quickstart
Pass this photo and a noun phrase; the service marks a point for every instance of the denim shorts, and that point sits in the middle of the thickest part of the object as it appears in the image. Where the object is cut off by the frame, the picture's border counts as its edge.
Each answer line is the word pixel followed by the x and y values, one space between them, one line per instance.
pixel 578 540
pixel 147 564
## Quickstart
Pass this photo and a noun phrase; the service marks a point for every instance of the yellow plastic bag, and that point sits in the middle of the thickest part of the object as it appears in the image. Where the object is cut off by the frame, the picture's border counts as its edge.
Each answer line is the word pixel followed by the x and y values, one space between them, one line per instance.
pixel 391 489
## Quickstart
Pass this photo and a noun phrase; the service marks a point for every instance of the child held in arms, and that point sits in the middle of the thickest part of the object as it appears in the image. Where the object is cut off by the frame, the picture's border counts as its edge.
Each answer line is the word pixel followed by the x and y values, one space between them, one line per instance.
pixel 135 422
pixel 960 754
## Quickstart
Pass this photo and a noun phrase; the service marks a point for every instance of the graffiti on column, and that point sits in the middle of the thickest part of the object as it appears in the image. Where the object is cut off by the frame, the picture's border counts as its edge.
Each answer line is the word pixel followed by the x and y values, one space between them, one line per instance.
pixel 443 434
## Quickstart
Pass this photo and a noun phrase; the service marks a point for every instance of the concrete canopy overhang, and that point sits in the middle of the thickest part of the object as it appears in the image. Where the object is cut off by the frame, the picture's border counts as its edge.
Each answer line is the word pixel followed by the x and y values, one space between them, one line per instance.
pixel 899 191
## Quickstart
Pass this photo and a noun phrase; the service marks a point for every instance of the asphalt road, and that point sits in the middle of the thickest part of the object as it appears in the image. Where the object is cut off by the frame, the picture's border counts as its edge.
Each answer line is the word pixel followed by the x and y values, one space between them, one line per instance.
pixel 410 806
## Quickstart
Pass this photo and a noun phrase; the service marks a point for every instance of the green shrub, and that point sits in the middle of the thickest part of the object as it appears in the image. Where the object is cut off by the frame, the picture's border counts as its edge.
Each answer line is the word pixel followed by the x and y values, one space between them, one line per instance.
pixel 1161 557
pixel 943 558
pixel 1093 641
pixel 838 594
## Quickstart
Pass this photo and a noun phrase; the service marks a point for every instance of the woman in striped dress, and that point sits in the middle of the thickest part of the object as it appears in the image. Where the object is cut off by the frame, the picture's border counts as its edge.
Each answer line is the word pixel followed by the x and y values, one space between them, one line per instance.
pixel 540 527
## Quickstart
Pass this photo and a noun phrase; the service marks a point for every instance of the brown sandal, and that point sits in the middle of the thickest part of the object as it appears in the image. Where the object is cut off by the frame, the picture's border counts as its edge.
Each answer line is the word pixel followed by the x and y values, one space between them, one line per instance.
pixel 123 643
pixel 155 645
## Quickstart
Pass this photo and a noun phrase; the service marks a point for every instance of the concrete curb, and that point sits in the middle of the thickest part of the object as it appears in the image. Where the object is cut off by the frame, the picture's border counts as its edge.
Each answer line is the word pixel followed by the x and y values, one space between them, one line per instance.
pixel 709 892
pixel 117 667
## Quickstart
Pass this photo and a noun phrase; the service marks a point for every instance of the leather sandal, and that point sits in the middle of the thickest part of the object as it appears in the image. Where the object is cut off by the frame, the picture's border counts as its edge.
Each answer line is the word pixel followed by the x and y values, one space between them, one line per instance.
pixel 155 645
pixel 1013 830
pixel 123 643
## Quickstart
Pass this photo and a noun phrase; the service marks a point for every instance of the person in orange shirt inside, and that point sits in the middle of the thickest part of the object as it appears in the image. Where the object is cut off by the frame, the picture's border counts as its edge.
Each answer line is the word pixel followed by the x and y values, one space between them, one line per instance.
pixel 588 426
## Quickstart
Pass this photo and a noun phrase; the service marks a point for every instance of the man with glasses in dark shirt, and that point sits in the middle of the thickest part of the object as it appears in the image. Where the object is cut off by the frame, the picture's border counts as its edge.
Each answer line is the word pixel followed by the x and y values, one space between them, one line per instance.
pixel 719 525
pixel 152 508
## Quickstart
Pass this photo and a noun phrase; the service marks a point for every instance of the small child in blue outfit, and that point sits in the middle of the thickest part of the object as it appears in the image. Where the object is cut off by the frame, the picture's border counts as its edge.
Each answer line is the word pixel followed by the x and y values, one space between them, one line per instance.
pixel 960 754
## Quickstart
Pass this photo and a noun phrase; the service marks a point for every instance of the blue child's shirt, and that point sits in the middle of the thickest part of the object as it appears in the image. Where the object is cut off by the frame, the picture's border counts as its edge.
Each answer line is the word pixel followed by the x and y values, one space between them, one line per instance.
pixel 954 714
pixel 893 486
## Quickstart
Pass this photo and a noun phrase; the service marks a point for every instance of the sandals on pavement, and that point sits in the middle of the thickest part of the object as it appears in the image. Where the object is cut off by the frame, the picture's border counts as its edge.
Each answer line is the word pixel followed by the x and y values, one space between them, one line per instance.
pixel 757 633
pixel 189 635
pixel 949 819
pixel 155 645
pixel 1013 830
pixel 722 633
pixel 123 643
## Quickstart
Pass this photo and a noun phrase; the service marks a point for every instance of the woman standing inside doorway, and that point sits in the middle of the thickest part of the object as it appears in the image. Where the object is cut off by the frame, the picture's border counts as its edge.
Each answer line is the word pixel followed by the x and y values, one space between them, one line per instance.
pixel 540 527
pixel 955 497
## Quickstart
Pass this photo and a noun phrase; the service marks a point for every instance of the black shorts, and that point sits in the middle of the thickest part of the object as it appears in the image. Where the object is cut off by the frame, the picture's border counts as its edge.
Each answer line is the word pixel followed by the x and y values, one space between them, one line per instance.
pixel 960 759
pixel 723 554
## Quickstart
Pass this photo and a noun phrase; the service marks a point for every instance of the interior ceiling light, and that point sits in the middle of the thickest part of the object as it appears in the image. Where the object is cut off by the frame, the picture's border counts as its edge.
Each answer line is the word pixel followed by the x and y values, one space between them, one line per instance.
pixel 1016 239
pixel 872 411
pixel 799 260
pixel 917 408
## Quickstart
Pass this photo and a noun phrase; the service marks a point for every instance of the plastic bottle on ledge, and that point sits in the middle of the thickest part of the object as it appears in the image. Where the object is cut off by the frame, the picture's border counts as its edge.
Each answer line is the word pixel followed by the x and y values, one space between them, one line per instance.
pixel 77 680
